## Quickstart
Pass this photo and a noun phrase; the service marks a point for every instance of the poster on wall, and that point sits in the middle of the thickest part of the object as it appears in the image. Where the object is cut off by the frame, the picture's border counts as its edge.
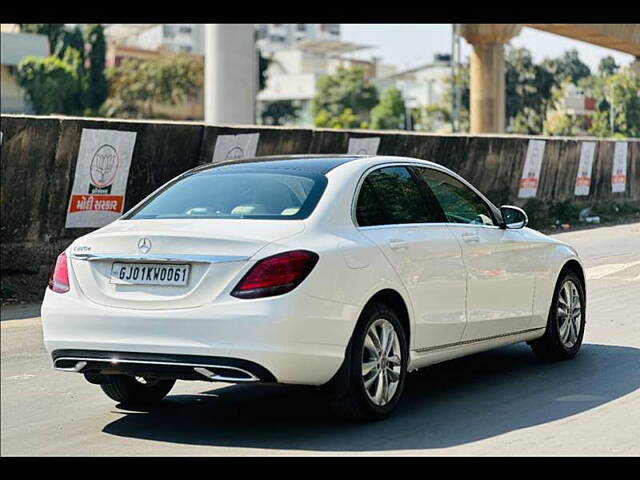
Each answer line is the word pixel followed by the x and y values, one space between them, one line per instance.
pixel 100 183
pixel 583 179
pixel 531 171
pixel 363 146
pixel 619 171
pixel 233 147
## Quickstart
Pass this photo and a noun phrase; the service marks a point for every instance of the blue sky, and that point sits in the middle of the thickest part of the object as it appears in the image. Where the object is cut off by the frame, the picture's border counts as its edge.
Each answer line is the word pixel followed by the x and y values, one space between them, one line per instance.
pixel 414 44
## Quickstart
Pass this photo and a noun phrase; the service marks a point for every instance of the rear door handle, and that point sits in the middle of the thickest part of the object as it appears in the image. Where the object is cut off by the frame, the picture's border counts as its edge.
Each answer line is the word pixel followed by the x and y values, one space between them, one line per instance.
pixel 398 244
pixel 470 237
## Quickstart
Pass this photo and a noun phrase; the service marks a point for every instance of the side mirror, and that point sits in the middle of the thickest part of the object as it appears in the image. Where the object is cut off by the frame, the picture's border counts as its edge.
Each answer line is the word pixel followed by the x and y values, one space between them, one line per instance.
pixel 513 217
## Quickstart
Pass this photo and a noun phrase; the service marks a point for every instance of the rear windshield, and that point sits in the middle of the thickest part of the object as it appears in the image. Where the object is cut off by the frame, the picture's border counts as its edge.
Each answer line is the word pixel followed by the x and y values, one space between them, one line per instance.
pixel 236 193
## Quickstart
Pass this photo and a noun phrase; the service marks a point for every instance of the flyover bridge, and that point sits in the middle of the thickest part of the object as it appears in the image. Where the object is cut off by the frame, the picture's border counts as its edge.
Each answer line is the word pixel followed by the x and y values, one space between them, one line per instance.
pixel 487 70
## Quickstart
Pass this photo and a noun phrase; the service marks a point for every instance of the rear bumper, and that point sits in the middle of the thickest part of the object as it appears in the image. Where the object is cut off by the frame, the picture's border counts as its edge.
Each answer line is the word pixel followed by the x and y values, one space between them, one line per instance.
pixel 295 338
pixel 179 367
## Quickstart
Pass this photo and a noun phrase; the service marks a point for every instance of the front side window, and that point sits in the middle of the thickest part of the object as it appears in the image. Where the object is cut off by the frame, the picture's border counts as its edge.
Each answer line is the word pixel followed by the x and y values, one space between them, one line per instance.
pixel 459 203
pixel 390 195
pixel 238 193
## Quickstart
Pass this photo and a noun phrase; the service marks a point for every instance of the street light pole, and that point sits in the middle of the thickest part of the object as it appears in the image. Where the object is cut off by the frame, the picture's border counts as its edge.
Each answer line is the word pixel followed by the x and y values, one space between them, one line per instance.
pixel 612 111
pixel 453 78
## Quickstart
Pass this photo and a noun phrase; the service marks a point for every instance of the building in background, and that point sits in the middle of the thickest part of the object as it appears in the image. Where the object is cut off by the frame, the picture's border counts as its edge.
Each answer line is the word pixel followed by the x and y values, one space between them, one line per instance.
pixel 422 87
pixel 14 46
pixel 573 112
pixel 168 37
pixel 148 41
pixel 578 102
pixel 272 37
pixel 294 72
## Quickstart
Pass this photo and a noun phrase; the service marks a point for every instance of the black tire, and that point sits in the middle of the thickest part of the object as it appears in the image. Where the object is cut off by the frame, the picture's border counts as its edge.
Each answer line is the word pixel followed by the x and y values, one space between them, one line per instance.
pixel 550 346
pixel 349 399
pixel 128 390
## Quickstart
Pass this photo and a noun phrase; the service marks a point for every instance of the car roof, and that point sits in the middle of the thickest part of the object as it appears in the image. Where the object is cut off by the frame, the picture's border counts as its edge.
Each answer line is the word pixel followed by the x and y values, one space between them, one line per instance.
pixel 314 163
pixel 318 164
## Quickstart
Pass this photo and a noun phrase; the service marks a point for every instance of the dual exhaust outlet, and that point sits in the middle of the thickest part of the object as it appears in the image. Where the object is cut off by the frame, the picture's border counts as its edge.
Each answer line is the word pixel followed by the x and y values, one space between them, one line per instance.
pixel 214 373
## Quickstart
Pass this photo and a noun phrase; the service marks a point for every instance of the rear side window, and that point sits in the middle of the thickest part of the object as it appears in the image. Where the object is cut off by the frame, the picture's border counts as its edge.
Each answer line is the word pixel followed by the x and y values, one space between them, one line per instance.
pixel 240 194
pixel 389 196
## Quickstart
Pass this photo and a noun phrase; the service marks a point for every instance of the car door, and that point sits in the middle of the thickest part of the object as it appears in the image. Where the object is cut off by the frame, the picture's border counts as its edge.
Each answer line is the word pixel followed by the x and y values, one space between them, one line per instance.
pixel 410 229
pixel 500 270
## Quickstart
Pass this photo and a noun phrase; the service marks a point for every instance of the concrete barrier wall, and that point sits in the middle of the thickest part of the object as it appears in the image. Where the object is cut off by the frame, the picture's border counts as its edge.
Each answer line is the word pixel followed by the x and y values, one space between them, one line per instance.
pixel 39 157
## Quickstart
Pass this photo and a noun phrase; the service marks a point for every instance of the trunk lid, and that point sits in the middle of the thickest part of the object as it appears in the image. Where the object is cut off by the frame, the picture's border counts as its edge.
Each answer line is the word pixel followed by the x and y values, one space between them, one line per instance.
pixel 230 242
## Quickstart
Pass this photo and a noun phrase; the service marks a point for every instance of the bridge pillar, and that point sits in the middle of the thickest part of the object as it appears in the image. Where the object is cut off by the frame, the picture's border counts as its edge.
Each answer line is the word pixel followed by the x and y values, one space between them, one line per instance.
pixel 230 74
pixel 635 66
pixel 487 74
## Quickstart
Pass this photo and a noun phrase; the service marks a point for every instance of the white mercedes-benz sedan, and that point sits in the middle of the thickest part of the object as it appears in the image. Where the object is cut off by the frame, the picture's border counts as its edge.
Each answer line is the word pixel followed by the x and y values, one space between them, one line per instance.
pixel 342 272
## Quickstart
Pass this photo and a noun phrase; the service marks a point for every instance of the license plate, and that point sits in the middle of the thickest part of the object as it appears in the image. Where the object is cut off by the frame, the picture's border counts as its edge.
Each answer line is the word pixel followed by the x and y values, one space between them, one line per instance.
pixel 149 274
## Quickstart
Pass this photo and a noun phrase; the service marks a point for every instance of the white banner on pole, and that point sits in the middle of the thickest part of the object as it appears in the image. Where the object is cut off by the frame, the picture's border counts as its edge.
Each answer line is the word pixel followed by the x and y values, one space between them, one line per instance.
pixel 363 146
pixel 232 147
pixel 100 183
pixel 619 171
pixel 531 171
pixel 583 179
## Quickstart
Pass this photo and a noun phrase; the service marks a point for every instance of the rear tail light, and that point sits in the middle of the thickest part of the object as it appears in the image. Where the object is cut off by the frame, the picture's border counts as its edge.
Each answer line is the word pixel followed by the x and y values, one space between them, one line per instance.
pixel 59 278
pixel 276 275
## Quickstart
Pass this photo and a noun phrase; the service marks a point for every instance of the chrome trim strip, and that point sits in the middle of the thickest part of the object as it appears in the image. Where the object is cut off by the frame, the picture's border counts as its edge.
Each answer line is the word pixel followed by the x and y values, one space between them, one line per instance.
pixel 423 225
pixel 173 258
pixel 115 361
pixel 475 340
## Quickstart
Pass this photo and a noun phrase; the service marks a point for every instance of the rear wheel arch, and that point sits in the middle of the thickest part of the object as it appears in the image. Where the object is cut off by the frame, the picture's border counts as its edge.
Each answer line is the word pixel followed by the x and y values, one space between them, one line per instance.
pixel 397 303
pixel 394 300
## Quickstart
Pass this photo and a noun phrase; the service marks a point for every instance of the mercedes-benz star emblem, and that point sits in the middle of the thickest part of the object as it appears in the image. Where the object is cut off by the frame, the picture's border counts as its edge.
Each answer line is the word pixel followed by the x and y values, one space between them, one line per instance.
pixel 144 245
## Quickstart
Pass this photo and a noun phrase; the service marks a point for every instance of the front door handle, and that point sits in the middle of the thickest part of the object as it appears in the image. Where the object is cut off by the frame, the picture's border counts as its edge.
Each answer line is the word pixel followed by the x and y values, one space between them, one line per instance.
pixel 398 244
pixel 470 237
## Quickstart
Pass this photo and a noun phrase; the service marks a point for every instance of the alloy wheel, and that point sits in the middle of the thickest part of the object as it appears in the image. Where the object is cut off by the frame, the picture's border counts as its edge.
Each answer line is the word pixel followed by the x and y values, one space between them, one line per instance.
pixel 569 314
pixel 381 362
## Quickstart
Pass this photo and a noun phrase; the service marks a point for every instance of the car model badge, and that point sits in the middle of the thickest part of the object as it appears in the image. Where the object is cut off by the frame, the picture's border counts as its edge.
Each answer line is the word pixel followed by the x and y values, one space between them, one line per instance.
pixel 144 245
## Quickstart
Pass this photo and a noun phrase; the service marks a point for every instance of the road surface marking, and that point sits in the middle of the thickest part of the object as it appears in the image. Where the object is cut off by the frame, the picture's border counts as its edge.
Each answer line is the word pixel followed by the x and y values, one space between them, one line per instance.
pixel 601 271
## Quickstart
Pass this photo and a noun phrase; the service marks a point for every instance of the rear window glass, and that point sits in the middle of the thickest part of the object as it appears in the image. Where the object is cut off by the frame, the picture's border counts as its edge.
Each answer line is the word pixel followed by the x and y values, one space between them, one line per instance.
pixel 220 193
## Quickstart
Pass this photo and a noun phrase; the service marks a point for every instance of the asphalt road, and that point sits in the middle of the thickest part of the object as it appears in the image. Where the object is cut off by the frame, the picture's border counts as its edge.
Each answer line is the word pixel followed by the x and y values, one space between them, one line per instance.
pixel 503 402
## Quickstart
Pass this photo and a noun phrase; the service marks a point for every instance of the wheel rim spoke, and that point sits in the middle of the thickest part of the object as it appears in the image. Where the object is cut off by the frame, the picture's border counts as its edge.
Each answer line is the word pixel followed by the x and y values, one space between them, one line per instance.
pixel 375 339
pixel 368 382
pixel 393 375
pixel 394 360
pixel 379 395
pixel 370 346
pixel 368 366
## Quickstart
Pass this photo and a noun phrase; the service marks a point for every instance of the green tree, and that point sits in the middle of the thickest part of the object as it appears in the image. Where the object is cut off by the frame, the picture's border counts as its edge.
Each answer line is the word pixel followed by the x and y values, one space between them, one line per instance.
pixel 621 90
pixel 442 112
pixel 568 66
pixel 347 89
pixel 263 65
pixel 136 86
pixel 280 112
pixel 75 39
pixel 390 113
pixel 54 32
pixel 607 66
pixel 97 88
pixel 53 85
pixel 529 88
pixel 346 119
pixel 434 117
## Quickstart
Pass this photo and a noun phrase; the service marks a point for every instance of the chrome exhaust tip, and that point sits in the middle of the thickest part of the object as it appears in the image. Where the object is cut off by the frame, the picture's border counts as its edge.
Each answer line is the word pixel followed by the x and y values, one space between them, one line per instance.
pixel 216 377
pixel 75 368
